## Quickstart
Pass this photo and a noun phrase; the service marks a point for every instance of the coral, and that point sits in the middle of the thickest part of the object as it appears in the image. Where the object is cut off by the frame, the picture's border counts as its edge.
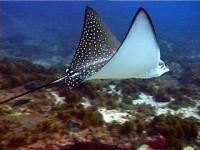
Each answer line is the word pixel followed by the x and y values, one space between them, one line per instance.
pixel 148 87
pixel 90 90
pixel 17 140
pixel 182 101
pixel 161 96
pixel 198 108
pixel 71 96
pixel 94 146
pixel 46 123
pixel 79 145
pixel 112 104
pixel 5 109
pixel 73 125
pixel 127 127
pixel 191 74
pixel 128 87
pixel 136 125
pixel 176 130
pixel 19 72
pixel 88 117
pixel 4 127
pixel 176 69
pixel 128 100
pixel 156 142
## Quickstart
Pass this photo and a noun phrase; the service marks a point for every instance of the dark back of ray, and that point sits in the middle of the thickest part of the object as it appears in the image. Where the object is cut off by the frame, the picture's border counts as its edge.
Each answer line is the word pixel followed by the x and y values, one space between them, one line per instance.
pixel 97 45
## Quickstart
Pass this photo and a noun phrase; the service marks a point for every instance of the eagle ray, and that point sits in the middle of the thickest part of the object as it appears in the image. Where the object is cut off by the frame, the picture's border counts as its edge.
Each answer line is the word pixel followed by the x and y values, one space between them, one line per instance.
pixel 100 55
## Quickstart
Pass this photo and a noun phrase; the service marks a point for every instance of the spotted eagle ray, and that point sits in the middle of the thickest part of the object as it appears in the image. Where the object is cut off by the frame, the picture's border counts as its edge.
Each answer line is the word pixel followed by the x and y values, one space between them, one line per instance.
pixel 101 56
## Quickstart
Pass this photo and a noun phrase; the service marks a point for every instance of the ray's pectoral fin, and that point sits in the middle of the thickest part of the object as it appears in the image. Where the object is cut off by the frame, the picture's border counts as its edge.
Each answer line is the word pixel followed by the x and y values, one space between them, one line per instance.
pixel 138 55
pixel 97 45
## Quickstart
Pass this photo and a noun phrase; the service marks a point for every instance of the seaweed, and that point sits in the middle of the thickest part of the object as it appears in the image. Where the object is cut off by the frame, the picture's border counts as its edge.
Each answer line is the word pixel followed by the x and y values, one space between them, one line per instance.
pixel 87 117
pixel 17 140
pixel 89 90
pixel 161 96
pixel 177 131
pixel 136 125
pixel 90 117
pixel 128 87
pixel 19 72
pixel 5 109
pixel 182 101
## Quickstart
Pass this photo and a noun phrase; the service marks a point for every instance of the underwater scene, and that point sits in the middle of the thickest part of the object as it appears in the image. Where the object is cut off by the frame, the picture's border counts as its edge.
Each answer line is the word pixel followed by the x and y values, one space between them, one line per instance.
pixel 99 75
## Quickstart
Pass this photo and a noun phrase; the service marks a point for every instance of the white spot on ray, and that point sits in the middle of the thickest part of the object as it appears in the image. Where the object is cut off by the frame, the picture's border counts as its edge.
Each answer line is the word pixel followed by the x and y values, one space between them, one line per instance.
pixel 89 55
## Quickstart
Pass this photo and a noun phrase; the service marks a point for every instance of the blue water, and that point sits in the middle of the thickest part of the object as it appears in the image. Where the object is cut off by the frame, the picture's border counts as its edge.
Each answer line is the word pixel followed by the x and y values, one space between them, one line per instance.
pixel 49 32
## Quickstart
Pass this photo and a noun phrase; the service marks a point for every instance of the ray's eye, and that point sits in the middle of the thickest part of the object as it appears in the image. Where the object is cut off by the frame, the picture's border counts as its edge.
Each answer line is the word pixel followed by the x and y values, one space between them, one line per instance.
pixel 162 64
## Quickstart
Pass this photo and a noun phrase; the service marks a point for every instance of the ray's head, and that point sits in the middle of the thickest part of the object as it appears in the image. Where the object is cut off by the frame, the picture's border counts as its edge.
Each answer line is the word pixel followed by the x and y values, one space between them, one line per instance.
pixel 147 45
pixel 159 70
pixel 144 17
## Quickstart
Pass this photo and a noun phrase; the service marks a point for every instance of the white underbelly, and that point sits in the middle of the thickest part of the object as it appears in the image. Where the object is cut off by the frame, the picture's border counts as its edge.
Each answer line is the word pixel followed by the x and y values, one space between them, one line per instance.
pixel 138 54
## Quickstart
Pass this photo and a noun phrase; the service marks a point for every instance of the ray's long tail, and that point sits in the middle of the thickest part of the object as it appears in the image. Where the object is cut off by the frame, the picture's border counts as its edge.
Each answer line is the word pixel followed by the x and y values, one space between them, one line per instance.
pixel 32 90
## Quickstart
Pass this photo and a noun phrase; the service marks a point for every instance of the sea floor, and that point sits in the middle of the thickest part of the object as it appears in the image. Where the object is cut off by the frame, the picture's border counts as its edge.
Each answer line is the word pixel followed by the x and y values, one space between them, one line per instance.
pixel 161 113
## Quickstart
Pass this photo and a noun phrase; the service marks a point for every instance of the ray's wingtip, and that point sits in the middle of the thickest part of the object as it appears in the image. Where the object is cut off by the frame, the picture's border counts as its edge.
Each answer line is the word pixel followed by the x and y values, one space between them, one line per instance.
pixel 141 10
pixel 89 9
